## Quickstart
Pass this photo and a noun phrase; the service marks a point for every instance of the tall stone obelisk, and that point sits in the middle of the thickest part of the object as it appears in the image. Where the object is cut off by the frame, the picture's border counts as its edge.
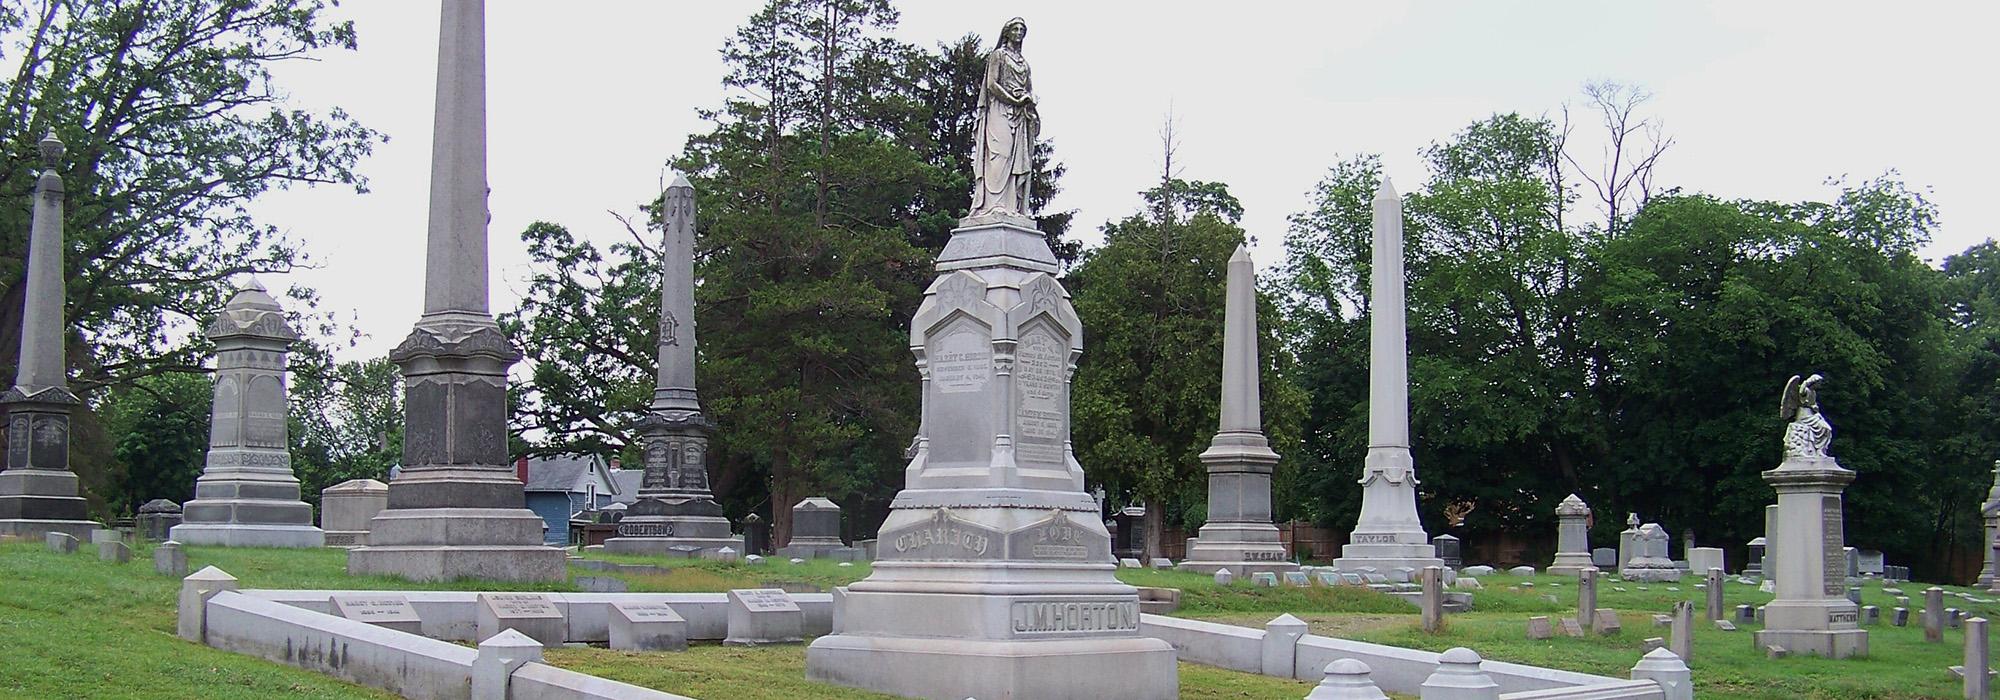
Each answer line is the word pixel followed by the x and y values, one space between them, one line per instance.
pixel 38 492
pixel 993 577
pixel 456 509
pixel 1238 534
pixel 1388 534
pixel 675 513
pixel 247 495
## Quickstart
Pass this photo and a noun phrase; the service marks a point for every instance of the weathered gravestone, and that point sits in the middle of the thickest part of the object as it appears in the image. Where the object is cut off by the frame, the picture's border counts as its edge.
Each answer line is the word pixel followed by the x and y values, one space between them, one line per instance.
pixel 1572 537
pixel 763 616
pixel 1297 578
pixel 118 553
pixel 345 509
pixel 647 627
pixel 816 532
pixel 1538 627
pixel 1606 621
pixel 1224 577
pixel 1571 628
pixel 170 559
pixel 156 518
pixel 532 614
pixel 1899 617
pixel 1604 558
pixel 384 610
pixel 1701 559
pixel 1448 548
pixel 1264 578
pixel 61 542
pixel 247 495
pixel 1871 615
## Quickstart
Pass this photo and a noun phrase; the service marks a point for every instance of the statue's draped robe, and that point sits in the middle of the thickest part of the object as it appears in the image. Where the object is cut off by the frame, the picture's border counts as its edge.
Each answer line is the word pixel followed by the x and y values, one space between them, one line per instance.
pixel 1006 135
pixel 1808 436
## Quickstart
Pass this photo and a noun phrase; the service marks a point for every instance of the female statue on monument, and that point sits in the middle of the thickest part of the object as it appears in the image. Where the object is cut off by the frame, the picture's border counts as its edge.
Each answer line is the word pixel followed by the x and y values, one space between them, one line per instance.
pixel 1004 144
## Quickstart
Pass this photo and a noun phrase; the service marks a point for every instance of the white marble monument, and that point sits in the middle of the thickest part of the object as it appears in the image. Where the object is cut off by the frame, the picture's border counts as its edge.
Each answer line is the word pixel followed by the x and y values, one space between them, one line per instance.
pixel 38 492
pixel 246 495
pixel 1239 535
pixel 675 513
pixel 1388 533
pixel 1811 614
pixel 456 510
pixel 1989 513
pixel 346 508
pixel 994 576
pixel 1572 537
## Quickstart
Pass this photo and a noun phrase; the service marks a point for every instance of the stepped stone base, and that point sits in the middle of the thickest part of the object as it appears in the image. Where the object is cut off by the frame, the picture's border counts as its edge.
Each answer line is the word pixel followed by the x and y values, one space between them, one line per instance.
pixel 952 669
pixel 246 535
pixel 1832 644
pixel 441 544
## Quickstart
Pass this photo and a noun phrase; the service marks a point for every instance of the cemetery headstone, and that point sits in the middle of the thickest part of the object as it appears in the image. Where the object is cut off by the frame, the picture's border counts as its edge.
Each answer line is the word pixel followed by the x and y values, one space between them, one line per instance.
pixel 1432 599
pixel 1264 579
pixel 1470 583
pixel 1745 613
pixel 532 614
pixel 1650 563
pixel 345 509
pixel 1714 592
pixel 1129 563
pixel 1480 570
pixel 1683 632
pixel 1725 625
pixel 156 518
pixel 816 531
pixel 1572 537
pixel 1448 548
pixel 1297 578
pixel 1934 615
pixel 1952 616
pixel 247 495
pixel 1871 615
pixel 1538 627
pixel 763 616
pixel 1978 660
pixel 118 552
pixel 169 559
pixel 1701 559
pixel 1162 563
pixel 1224 577
pixel 1899 617
pixel 1586 597
pixel 1605 621
pixel 61 542
pixel 647 627
pixel 382 610
pixel 1522 571
pixel 1651 643
pixel 1754 564
pixel 1604 558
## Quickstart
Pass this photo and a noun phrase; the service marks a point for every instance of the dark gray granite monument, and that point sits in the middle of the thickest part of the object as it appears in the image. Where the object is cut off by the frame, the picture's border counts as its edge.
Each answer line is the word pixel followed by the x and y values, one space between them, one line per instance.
pixel 676 513
pixel 38 492
pixel 456 509
pixel 247 495
pixel 1238 535
pixel 993 576
pixel 816 533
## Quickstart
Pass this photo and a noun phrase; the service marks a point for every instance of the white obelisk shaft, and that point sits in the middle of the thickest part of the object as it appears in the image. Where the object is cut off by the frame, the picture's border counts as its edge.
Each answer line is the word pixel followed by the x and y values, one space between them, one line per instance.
pixel 1388 532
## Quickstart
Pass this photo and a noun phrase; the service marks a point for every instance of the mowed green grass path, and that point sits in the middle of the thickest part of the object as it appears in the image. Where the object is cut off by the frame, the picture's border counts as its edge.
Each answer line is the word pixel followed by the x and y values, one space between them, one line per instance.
pixel 72 626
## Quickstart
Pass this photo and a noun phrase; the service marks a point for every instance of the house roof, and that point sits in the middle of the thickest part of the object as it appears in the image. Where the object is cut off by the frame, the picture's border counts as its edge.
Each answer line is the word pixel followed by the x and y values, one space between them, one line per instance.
pixel 628 485
pixel 559 473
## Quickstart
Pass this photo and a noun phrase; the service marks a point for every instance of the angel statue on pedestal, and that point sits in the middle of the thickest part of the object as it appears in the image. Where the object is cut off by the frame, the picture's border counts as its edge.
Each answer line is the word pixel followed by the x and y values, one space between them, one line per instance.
pixel 1808 433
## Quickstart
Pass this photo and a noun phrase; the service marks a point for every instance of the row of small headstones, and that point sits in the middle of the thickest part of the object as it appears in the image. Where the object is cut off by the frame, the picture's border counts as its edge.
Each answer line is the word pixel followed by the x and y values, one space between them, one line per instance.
pixel 1459 677
pixel 168 558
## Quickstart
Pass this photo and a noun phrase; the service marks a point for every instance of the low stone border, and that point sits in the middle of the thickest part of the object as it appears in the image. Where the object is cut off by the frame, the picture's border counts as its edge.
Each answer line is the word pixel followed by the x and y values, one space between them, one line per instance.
pixel 453 615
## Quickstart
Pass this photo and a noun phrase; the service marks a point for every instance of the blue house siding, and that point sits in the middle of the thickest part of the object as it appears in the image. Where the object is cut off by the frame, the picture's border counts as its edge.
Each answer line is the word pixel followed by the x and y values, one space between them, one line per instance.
pixel 554 508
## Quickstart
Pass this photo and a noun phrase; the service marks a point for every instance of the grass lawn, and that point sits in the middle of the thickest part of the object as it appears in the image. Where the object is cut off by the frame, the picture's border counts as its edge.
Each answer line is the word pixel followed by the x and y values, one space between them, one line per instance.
pixel 73 626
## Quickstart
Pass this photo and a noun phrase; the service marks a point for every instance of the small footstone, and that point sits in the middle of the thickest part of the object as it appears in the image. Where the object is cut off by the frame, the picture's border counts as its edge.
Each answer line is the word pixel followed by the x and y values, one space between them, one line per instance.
pixel 1297 579
pixel 1652 643
pixel 1871 615
pixel 1471 584
pixel 1674 589
pixel 647 627
pixel 1522 571
pixel 753 559
pixel 1224 577
pixel 1571 628
pixel 1746 613
pixel 1775 652
pixel 62 542
pixel 797 561
pixel 1264 578
pixel 1725 625
pixel 1606 621
pixel 1620 589
pixel 1663 621
pixel 1162 563
pixel 170 559
pixel 1538 628
pixel 1899 617
pixel 1129 563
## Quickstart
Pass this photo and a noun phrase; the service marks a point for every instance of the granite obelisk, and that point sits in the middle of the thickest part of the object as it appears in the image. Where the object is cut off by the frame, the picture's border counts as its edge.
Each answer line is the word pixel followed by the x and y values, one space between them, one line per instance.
pixel 247 495
pixel 1238 534
pixel 675 513
pixel 993 577
pixel 456 509
pixel 1388 533
pixel 38 492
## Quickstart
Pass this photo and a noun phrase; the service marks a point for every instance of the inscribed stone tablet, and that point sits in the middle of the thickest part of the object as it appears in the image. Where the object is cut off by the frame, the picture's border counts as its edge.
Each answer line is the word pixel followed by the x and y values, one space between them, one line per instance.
pixel 531 614
pixel 647 627
pixel 391 611
pixel 763 616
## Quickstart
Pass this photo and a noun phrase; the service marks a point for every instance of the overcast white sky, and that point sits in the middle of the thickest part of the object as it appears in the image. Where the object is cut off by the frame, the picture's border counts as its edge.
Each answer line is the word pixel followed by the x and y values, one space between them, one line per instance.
pixel 587 100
